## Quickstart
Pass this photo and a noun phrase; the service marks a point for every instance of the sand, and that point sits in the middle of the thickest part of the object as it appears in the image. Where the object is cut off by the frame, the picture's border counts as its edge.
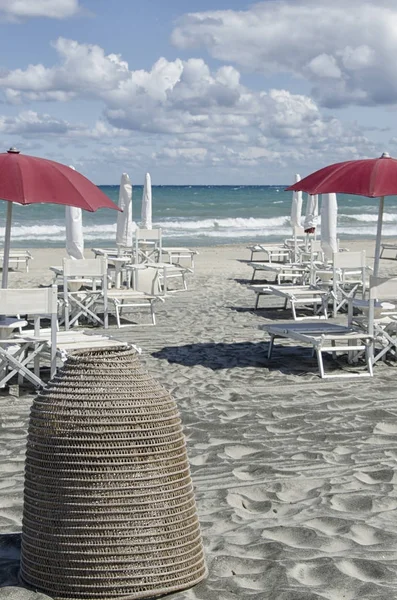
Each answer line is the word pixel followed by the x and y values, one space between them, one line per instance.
pixel 295 477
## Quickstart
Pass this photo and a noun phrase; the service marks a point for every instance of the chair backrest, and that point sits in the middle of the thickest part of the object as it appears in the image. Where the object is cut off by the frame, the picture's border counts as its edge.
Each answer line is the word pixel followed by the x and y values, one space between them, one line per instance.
pixel 147 280
pixel 382 288
pixel 143 254
pixel 35 301
pixel 349 260
pixel 86 267
pixel 147 234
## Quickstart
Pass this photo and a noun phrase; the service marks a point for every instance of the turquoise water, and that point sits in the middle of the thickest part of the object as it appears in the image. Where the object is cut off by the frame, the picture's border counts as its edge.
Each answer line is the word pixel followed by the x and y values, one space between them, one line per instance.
pixel 198 216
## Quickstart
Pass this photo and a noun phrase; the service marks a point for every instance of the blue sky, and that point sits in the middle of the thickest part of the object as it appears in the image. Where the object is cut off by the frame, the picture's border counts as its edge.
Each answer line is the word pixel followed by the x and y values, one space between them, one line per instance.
pixel 198 92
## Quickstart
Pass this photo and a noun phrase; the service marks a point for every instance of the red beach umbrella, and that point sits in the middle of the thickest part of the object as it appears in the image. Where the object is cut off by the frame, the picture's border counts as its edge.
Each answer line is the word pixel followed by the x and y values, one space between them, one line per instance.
pixel 372 177
pixel 31 180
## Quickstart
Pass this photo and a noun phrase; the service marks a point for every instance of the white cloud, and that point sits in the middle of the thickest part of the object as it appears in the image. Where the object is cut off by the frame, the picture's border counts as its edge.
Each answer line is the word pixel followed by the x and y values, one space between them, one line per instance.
pixel 53 9
pixel 190 113
pixel 31 123
pixel 347 53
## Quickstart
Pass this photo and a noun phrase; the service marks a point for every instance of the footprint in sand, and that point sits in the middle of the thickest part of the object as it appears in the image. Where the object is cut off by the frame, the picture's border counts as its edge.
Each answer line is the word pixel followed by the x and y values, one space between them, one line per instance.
pixel 299 489
pixel 364 535
pixel 374 477
pixel 238 452
pixel 303 537
pixel 253 472
pixel 385 428
pixel 329 525
pixel 353 503
pixel 247 508
pixel 366 570
pixel 228 566
pixel 200 459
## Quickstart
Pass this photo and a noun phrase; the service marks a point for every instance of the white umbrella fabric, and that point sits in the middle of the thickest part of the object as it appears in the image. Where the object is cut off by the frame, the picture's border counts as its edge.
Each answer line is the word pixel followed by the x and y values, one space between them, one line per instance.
pixel 146 213
pixel 311 218
pixel 329 214
pixel 74 231
pixel 296 207
pixel 125 224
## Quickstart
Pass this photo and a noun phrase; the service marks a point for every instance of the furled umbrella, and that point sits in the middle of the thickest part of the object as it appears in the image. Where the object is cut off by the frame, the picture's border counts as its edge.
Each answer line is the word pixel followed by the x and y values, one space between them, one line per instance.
pixel 31 180
pixel 329 214
pixel 311 217
pixel 146 213
pixel 74 231
pixel 125 224
pixel 296 207
pixel 296 214
pixel 372 177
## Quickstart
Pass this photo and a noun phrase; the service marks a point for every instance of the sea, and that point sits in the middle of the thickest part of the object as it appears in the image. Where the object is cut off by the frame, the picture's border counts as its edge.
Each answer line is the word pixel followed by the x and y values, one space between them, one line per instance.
pixel 205 215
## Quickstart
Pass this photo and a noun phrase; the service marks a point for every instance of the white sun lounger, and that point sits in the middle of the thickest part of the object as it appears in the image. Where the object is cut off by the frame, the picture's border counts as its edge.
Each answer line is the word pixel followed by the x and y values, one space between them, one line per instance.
pixel 297 273
pixel 325 337
pixel 273 253
pixel 18 257
pixel 388 246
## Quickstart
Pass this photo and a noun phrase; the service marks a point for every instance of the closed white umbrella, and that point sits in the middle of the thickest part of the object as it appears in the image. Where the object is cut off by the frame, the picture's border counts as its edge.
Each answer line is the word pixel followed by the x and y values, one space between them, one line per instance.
pixel 311 218
pixel 125 224
pixel 296 207
pixel 146 214
pixel 329 214
pixel 74 231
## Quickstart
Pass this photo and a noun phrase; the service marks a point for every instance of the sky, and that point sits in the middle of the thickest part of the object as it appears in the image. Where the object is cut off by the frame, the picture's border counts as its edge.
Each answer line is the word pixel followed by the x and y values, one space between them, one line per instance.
pixel 200 92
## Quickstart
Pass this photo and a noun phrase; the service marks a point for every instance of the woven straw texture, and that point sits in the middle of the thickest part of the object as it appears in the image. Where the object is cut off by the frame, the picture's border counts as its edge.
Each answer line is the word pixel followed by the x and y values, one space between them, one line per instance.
pixel 109 509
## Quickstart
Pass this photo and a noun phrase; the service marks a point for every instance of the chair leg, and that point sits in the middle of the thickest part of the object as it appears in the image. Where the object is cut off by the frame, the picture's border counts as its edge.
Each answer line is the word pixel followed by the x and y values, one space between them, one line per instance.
pixel 369 357
pixel 152 313
pixel 271 346
pixel 320 362
pixel 117 308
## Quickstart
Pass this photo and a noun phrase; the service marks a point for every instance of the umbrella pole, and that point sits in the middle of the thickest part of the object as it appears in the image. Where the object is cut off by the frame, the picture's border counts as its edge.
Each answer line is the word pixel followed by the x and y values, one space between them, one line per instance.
pixel 378 236
pixel 6 251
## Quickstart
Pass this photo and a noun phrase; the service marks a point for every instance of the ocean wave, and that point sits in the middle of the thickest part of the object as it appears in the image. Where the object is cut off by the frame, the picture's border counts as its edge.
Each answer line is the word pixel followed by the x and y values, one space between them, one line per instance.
pixel 227 229
pixel 238 223
pixel 369 217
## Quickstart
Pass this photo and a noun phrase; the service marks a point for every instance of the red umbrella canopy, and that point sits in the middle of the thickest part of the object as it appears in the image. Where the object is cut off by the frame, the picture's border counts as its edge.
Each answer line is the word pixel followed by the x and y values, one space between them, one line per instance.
pixel 373 177
pixel 30 180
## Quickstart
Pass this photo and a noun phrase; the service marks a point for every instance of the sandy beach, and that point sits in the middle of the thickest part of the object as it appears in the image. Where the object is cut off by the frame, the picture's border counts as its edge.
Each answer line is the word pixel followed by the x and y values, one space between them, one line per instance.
pixel 295 477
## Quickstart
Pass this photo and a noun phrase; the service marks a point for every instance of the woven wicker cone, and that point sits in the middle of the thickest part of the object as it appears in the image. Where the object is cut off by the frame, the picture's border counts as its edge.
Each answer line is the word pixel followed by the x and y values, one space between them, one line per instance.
pixel 109 509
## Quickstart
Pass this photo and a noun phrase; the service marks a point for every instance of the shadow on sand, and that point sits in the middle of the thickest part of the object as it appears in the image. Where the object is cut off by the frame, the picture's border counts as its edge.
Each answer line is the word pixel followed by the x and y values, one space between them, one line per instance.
pixel 296 360
pixel 10 550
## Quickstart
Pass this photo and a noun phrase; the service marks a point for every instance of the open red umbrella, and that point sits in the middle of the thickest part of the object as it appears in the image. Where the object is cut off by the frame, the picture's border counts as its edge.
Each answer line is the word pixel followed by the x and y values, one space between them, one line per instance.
pixel 373 177
pixel 31 180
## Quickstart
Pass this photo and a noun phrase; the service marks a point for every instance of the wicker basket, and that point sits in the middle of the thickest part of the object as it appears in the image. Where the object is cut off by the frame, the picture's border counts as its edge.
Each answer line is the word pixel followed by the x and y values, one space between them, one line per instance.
pixel 109 509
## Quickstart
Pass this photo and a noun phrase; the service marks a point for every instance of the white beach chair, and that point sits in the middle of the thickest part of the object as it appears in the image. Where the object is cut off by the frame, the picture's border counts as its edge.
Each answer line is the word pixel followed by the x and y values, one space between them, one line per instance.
pixel 148 245
pixel 85 282
pixel 349 277
pixel 144 295
pixel 21 354
pixel 378 316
